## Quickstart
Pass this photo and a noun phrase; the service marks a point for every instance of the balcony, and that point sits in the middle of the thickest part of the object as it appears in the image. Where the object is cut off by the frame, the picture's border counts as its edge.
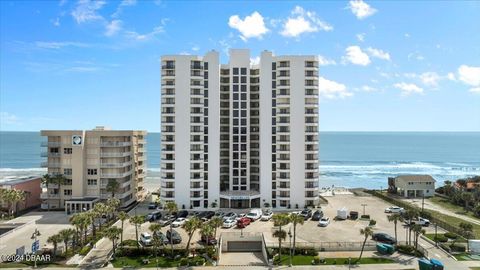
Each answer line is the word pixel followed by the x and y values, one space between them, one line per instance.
pixel 115 154
pixel 141 158
pixel 141 141
pixel 50 144
pixel 45 195
pixel 48 154
pixel 115 144
pixel 115 175
pixel 115 164
pixel 50 165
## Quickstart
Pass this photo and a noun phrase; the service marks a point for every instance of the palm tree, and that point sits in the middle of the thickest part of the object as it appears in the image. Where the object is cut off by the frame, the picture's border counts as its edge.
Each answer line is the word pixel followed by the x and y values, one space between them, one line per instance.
pixel 87 220
pixel 417 230
pixel 466 197
pixel 215 223
pixel 112 186
pixel 367 232
pixel 207 231
pixel 395 218
pixel 60 180
pixel 54 240
pixel 467 231
pixel 137 221
pixel 75 220
pixel 280 220
pixel 410 215
pixel 66 235
pixel 112 205
pixel 122 216
pixel 171 208
pixel 190 227
pixel 96 213
pixel 295 219
pixel 113 234
pixel 46 179
pixel 156 231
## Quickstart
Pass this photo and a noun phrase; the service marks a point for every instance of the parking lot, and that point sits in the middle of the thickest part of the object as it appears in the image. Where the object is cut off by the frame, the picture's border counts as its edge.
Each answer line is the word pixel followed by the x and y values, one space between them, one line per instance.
pixel 336 231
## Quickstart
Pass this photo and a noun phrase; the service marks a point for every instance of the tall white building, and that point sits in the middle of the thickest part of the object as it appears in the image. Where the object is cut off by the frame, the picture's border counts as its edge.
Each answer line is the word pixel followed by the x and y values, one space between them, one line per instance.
pixel 239 135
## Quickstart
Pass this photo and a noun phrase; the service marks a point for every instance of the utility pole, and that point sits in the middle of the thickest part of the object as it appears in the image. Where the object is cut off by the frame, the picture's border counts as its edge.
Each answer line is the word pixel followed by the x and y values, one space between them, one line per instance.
pixel 364 204
pixel 423 200
pixel 35 234
pixel 290 237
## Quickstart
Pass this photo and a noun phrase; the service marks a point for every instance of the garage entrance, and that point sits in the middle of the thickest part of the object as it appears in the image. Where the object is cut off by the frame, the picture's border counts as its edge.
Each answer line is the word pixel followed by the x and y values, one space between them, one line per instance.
pixel 239 248
pixel 244 246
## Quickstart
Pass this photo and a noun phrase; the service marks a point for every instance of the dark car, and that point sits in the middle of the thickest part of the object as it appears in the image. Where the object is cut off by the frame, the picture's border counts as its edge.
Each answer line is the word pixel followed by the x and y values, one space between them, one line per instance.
pixel 166 220
pixel 306 213
pixel 163 239
pixel 353 215
pixel 182 214
pixel 207 215
pixel 152 206
pixel 384 238
pixel 174 236
pixel 317 215
pixel 208 240
pixel 153 216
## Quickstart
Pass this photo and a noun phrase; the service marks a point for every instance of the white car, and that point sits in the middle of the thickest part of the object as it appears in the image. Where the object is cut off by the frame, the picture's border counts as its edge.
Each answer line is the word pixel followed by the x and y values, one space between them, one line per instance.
pixel 324 221
pixel 394 209
pixel 239 216
pixel 420 221
pixel 179 222
pixel 146 239
pixel 266 216
pixel 229 223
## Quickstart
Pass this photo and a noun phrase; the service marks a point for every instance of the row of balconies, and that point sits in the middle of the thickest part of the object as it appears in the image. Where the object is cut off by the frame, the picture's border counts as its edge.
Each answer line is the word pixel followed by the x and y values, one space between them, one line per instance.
pixel 114 144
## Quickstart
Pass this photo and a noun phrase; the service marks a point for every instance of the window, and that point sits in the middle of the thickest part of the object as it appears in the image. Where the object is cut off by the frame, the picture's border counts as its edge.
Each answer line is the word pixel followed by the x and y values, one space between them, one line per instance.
pixel 235 71
pixel 67 171
pixel 67 150
pixel 244 71
pixel 92 182
pixel 67 192
pixel 91 171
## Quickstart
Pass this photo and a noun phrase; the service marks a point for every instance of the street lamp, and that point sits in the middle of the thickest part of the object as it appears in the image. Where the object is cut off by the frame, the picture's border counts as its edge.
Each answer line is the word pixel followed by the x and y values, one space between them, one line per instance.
pixel 35 234
pixel 290 237
pixel 364 204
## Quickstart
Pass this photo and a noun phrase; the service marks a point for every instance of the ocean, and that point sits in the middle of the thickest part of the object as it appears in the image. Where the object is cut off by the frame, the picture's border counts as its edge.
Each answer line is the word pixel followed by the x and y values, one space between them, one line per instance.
pixel 348 159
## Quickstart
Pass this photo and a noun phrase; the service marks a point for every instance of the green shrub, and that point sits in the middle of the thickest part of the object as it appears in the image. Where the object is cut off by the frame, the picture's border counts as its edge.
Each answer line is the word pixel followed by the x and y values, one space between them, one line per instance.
pixel 445 247
pixel 409 250
pixel 129 243
pixel 84 251
pixel 183 262
pixel 457 248
pixel 372 222
pixel 451 235
pixel 316 260
pixel 440 238
pixel 365 216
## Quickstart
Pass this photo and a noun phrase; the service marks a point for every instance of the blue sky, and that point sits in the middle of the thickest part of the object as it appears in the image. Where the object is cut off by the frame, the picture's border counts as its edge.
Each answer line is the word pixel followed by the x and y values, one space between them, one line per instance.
pixel 385 65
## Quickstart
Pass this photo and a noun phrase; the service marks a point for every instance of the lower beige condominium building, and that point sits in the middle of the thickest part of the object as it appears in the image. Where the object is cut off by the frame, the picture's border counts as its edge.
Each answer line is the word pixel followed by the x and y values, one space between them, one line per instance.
pixel 89 160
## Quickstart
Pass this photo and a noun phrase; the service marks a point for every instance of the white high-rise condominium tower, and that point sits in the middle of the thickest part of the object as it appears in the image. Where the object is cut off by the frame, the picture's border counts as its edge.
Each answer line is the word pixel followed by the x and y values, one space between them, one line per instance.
pixel 239 135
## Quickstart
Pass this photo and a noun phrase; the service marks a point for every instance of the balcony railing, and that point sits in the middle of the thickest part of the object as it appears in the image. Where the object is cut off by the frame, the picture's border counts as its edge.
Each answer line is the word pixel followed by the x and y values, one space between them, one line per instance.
pixel 115 144
pixel 50 144
pixel 115 164
pixel 48 154
pixel 49 196
pixel 115 175
pixel 50 165
pixel 115 154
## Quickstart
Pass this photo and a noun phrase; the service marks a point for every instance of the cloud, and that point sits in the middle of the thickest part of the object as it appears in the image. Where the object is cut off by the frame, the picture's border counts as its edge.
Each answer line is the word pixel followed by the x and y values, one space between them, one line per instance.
pixel 408 88
pixel 147 36
pixel 195 48
pixel 416 55
pixel 8 118
pixel 361 9
pixel 323 61
pixel 60 44
pixel 451 76
pixel 302 21
pixel 361 37
pixel 124 3
pixel 356 56
pixel 86 11
pixel 368 89
pixel 253 26
pixel 430 78
pixel 56 22
pixel 113 28
pixel 469 75
pixel 378 53
pixel 332 90
pixel 255 60
pixel 475 90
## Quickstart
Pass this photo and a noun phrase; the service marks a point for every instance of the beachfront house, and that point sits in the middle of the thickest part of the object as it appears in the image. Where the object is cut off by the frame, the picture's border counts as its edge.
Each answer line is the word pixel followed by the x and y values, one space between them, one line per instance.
pixel 411 186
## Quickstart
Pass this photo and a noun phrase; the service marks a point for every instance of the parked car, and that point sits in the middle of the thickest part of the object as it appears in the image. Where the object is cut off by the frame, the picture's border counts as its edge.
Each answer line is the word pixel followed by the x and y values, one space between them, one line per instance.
pixel 324 221
pixel 152 206
pixel 166 220
pixel 394 209
pixel 153 216
pixel 179 222
pixel 163 239
pixel 239 216
pixel 173 236
pixel 243 222
pixel 266 215
pixel 219 214
pixel 182 214
pixel 230 215
pixel 306 213
pixel 209 240
pixel 207 215
pixel 254 214
pixel 353 215
pixel 229 223
pixel 384 238
pixel 146 239
pixel 317 215
pixel 420 221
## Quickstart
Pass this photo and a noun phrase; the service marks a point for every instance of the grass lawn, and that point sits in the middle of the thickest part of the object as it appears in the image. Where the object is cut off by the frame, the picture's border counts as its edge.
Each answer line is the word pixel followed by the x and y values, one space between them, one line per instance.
pixel 466 257
pixel 307 260
pixel 450 206
pixel 431 236
pixel 454 221
pixel 138 261
pixel 475 268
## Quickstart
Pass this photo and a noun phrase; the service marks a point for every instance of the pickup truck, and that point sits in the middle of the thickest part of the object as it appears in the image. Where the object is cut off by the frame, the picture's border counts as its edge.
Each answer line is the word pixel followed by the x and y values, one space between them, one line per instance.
pixel 420 221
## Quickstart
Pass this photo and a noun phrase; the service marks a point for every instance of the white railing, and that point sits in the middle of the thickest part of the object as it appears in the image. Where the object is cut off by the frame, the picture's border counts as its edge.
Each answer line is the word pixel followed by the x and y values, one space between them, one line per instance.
pixel 115 144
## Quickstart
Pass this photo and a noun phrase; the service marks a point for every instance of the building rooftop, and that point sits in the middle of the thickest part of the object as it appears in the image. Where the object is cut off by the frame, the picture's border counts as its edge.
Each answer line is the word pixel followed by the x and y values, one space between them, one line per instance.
pixel 416 178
